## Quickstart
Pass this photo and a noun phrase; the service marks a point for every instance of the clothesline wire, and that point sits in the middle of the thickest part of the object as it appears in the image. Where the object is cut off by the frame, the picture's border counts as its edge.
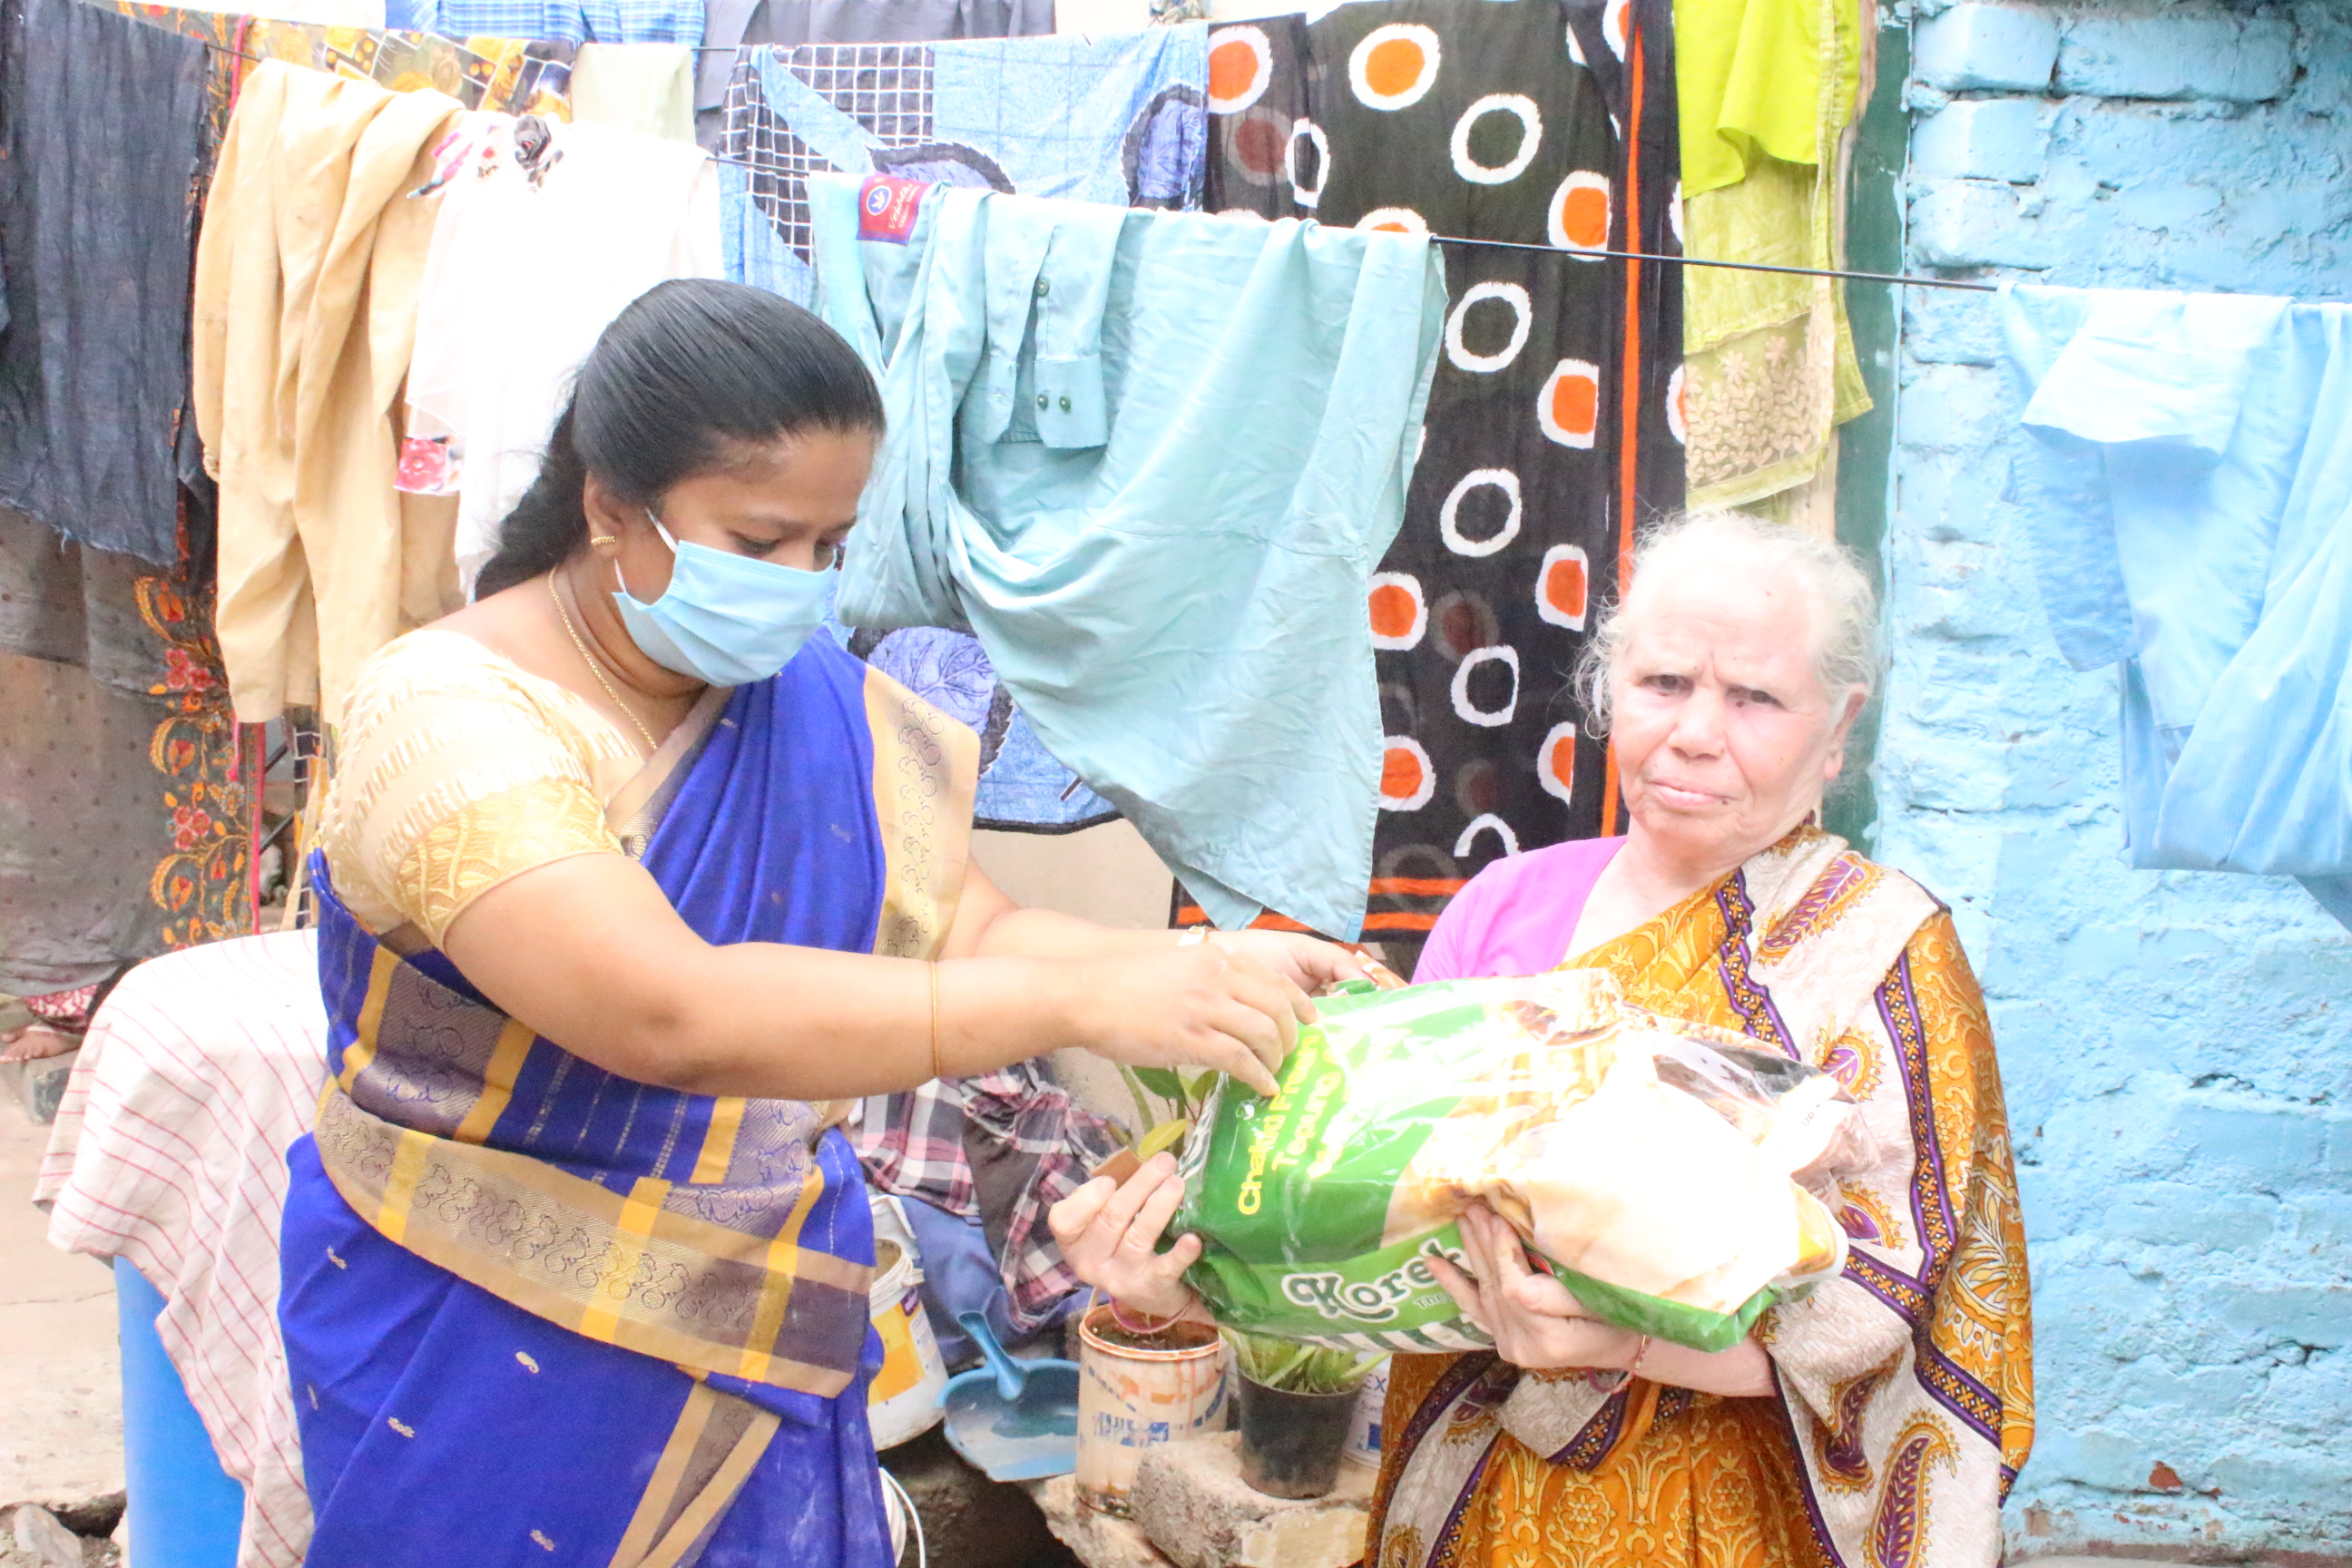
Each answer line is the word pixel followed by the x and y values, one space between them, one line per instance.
pixel 1900 279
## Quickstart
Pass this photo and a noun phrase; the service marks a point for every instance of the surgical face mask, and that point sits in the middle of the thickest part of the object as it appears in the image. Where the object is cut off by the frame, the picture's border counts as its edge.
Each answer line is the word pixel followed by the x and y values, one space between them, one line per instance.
pixel 725 619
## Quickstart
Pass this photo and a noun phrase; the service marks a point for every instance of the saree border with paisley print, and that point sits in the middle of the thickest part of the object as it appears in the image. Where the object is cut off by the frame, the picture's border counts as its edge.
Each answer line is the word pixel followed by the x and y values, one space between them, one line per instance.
pixel 709 1270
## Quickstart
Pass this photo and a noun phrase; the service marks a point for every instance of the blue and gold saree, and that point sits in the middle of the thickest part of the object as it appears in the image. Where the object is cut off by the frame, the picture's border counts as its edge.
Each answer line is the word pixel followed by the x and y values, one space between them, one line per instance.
pixel 535 1312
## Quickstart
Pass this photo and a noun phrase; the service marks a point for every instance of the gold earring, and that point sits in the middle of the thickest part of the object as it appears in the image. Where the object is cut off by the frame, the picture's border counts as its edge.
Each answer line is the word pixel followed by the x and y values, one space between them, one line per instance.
pixel 598 541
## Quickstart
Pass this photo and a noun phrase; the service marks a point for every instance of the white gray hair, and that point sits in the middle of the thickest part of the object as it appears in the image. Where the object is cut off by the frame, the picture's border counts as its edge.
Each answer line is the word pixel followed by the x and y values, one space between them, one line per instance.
pixel 1845 608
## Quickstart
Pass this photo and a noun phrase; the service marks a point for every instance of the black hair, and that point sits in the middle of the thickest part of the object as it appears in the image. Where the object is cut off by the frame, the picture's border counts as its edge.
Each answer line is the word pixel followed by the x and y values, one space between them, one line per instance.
pixel 691 374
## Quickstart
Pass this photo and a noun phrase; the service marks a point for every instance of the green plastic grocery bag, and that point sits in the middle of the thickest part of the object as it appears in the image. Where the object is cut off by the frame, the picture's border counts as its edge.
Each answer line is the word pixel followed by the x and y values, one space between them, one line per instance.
pixel 1658 1165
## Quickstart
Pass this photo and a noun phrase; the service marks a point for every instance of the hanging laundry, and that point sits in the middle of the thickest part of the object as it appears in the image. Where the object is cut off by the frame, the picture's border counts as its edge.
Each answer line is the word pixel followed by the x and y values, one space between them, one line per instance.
pixel 1118 119
pixel 366 13
pixel 307 273
pixel 126 808
pixel 1182 444
pixel 571 21
pixel 518 75
pixel 729 24
pixel 2187 488
pixel 1022 788
pixel 124 803
pixel 1550 428
pixel 79 834
pixel 546 232
pixel 1771 92
pixel 98 192
pixel 998 114
pixel 644 87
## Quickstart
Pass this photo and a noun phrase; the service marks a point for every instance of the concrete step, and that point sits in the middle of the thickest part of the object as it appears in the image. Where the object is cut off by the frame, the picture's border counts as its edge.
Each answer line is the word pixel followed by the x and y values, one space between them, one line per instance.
pixel 60 1367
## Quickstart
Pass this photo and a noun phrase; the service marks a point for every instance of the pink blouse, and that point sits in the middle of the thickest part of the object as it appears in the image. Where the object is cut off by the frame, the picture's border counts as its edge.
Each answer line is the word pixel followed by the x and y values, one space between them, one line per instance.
pixel 1517 916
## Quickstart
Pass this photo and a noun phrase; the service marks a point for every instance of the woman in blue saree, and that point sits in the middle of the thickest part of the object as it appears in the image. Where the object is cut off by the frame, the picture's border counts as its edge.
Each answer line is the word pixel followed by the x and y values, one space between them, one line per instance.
pixel 628 884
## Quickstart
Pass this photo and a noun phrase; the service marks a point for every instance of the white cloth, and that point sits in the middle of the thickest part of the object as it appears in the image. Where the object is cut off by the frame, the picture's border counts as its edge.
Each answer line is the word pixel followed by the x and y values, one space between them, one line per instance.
pixel 645 88
pixel 528 266
pixel 199 1073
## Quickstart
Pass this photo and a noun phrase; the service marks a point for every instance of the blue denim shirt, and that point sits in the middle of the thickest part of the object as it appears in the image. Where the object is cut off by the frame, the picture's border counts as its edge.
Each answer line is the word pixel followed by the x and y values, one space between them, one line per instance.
pixel 1151 459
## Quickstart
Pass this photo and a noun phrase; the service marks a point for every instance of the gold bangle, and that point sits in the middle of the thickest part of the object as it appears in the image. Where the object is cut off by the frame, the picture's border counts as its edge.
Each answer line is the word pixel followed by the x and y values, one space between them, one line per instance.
pixel 935 1018
pixel 1633 1367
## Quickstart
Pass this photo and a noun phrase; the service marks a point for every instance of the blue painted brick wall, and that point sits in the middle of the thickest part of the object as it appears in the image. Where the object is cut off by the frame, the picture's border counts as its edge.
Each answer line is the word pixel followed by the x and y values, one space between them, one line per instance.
pixel 2177 1046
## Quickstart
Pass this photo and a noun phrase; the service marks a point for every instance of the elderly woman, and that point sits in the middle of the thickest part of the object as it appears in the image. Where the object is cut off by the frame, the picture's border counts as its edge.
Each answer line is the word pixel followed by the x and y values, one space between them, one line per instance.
pixel 1880 1420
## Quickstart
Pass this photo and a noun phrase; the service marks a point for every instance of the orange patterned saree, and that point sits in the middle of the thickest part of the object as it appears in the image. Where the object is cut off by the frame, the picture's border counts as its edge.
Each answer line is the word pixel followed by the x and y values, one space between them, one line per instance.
pixel 1905 1398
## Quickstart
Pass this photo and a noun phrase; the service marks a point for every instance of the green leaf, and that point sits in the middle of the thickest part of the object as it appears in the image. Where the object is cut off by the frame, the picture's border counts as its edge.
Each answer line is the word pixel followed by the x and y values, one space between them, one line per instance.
pixel 1136 1091
pixel 1162 1082
pixel 1200 1086
pixel 1274 1363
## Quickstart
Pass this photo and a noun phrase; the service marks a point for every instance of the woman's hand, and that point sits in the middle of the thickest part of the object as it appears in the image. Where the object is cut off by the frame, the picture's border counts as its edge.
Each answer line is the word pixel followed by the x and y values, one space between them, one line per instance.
pixel 1109 1232
pixel 1537 1323
pixel 1308 963
pixel 1206 1006
pixel 1534 1319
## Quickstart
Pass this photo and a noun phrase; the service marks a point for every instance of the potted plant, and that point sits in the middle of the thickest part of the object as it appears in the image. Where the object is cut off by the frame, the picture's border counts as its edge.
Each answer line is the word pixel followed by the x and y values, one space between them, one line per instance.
pixel 1296 1402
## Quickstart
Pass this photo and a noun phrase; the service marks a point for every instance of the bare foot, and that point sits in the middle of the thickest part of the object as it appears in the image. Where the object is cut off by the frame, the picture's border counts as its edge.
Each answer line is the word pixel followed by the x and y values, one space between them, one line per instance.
pixel 35 1041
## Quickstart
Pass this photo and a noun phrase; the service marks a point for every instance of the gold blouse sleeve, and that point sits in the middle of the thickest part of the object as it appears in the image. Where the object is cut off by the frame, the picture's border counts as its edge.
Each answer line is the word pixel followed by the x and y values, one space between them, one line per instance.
pixel 455 772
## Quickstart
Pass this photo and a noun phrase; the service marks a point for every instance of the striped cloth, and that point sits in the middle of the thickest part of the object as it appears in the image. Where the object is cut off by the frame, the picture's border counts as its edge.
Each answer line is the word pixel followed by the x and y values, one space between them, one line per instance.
pixel 170 1150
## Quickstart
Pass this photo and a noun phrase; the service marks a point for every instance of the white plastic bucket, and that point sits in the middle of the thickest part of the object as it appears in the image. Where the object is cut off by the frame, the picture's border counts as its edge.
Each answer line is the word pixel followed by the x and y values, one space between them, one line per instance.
pixel 903 1401
pixel 1364 1437
pixel 1130 1400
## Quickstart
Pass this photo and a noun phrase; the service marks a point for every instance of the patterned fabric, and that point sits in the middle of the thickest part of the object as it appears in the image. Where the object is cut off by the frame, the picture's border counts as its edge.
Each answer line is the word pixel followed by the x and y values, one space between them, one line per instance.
pixel 170 1151
pixel 1906 1383
pixel 1116 120
pixel 125 806
pixel 455 769
pixel 567 21
pixel 521 73
pixel 434 1080
pixel 492 1245
pixel 918 1145
pixel 71 1007
pixel 1551 429
pixel 730 23
pixel 1771 369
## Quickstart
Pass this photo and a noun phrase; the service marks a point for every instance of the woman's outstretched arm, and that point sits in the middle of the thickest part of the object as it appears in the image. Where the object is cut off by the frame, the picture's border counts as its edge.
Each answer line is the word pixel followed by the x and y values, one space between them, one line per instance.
pixel 588 952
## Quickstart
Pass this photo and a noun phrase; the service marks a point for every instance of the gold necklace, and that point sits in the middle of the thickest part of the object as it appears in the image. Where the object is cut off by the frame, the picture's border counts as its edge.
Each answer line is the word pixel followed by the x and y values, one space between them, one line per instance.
pixel 596 670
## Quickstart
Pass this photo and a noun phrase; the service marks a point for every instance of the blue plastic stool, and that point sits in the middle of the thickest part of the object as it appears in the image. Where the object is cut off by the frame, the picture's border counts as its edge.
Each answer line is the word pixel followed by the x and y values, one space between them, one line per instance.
pixel 185 1511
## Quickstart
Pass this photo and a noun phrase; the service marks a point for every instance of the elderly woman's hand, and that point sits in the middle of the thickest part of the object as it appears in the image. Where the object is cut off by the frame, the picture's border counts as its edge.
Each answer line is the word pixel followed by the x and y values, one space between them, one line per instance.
pixel 1537 1324
pixel 1109 1232
pixel 1535 1321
